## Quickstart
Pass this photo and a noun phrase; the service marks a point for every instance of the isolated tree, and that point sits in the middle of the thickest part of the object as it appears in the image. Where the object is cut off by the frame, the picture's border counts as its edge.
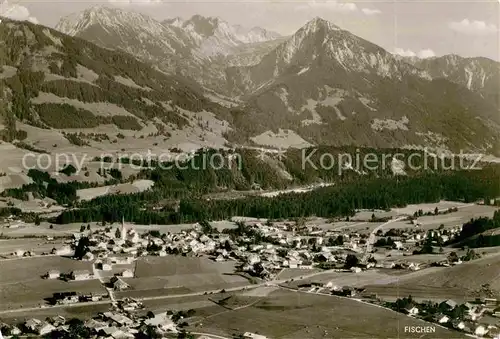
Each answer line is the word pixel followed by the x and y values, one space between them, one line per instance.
pixel 82 247
pixel 453 257
pixel 82 228
pixel 351 261
pixel 436 211
pixel 150 315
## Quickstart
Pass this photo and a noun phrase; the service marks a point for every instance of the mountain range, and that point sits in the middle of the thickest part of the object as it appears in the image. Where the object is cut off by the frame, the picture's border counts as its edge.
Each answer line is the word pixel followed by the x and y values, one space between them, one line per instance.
pixel 322 85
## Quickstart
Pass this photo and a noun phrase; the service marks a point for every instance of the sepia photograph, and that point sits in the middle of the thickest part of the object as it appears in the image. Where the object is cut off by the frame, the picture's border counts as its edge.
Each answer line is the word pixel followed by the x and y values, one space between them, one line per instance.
pixel 249 169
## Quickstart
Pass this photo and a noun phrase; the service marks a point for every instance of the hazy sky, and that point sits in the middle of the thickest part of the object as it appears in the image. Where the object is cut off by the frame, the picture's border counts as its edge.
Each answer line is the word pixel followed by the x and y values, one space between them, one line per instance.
pixel 411 27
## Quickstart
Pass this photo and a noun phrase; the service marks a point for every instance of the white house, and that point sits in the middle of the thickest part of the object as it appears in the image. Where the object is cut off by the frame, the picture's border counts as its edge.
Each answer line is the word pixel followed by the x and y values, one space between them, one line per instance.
pixel 64 250
pixel 162 321
pixel 293 263
pixel 480 331
pixel 39 327
pixel 253 259
pixel 458 324
pixel 81 275
pixel 398 245
pixel 411 310
pixel 128 273
pixel 249 335
pixel 88 256
pixel 106 266
pixel 414 266
pixel 442 319
pixel 53 274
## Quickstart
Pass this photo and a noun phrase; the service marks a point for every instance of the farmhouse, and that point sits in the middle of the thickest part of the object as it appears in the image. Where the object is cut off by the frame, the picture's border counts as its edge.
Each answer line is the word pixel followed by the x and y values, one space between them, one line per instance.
pixel 88 256
pixel 449 304
pixel 249 335
pixel 119 284
pixel 128 273
pixel 106 265
pixel 95 325
pixel 81 275
pixel 458 324
pixel 441 318
pixel 39 327
pixel 411 310
pixel 57 320
pixel 53 274
pixel 118 318
pixel 64 250
pixel 162 322
pixel 480 330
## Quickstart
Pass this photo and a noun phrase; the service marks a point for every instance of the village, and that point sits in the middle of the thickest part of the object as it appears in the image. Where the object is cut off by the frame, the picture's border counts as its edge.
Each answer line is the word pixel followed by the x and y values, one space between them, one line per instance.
pixel 289 255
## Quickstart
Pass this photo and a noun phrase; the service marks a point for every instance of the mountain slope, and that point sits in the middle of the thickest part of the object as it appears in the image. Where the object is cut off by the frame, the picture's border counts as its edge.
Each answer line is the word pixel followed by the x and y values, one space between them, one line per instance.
pixel 330 86
pixel 214 36
pixel 481 75
pixel 131 32
pixel 51 80
pixel 323 85
pixel 194 48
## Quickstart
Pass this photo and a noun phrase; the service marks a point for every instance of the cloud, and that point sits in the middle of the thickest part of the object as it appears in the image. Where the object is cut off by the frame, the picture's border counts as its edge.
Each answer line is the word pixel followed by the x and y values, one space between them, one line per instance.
pixel 16 12
pixel 135 2
pixel 369 11
pixel 336 6
pixel 422 54
pixel 474 27
pixel 426 53
pixel 329 5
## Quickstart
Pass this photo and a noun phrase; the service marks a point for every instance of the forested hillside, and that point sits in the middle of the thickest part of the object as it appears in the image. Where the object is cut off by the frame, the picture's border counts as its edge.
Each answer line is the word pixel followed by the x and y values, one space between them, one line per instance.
pixel 354 187
pixel 340 200
pixel 52 80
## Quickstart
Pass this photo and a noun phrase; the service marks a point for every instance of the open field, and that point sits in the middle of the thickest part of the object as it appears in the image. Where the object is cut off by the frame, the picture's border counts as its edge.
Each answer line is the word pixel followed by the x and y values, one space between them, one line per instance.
pixel 32 293
pixel 366 215
pixel 181 303
pixel 380 276
pixel 179 265
pixel 420 293
pixel 289 273
pixel 21 284
pixel 44 229
pixel 411 209
pixel 453 219
pixel 455 282
pixel 460 217
pixel 69 312
pixel 127 188
pixel 27 269
pixel 292 315
pixel 157 276
pixel 36 245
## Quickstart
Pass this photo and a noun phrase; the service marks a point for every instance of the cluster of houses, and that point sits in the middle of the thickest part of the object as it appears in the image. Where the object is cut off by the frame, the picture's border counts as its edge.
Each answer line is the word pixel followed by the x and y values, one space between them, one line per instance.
pixel 126 320
pixel 279 246
pixel 122 245
pixel 405 239
pixel 478 318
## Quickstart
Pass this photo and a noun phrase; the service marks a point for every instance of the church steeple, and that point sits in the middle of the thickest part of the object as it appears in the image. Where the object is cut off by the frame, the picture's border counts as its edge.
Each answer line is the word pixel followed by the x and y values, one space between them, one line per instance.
pixel 123 232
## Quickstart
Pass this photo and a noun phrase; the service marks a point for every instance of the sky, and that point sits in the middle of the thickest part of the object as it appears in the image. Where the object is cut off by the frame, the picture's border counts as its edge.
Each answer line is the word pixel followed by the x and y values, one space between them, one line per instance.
pixel 423 28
